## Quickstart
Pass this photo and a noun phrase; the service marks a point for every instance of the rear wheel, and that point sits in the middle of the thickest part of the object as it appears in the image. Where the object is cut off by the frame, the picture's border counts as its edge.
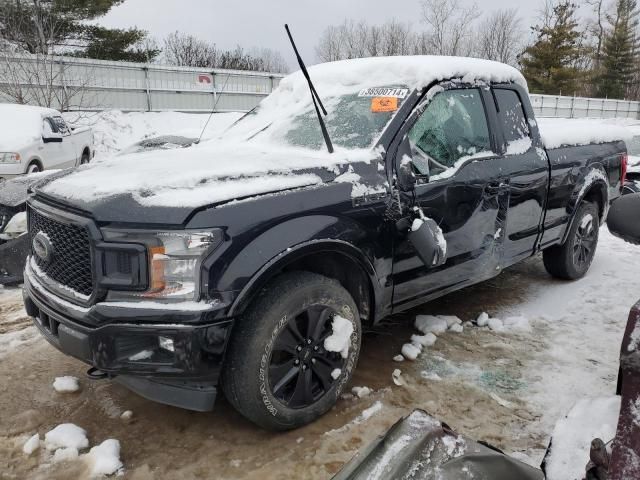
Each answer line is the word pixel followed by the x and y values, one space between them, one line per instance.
pixel 85 158
pixel 280 371
pixel 572 259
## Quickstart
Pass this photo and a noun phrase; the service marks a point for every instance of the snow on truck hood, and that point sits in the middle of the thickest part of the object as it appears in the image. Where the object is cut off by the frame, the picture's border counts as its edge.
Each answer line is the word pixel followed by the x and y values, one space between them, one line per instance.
pixel 232 167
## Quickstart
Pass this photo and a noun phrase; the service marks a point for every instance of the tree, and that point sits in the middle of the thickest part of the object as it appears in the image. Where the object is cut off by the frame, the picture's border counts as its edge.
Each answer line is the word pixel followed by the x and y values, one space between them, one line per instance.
pixel 188 51
pixel 62 26
pixel 500 36
pixel 620 51
pixel 449 27
pixel 550 65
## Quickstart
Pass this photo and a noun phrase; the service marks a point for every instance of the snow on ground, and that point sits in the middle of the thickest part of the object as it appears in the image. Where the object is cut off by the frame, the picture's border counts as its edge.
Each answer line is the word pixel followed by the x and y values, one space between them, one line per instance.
pixel 572 436
pixel 114 130
pixel 66 384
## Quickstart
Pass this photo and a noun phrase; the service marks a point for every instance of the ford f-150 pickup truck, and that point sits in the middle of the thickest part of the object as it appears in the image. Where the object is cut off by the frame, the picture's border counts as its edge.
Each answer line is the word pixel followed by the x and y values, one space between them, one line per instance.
pixel 33 139
pixel 250 263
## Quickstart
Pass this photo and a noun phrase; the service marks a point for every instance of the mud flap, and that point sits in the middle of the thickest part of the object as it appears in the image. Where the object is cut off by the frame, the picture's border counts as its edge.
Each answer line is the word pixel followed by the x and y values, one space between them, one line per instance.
pixel 419 446
pixel 13 256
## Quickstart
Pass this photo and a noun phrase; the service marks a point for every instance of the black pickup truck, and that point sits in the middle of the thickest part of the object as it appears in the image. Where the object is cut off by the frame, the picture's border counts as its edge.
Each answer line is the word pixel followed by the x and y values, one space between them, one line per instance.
pixel 251 263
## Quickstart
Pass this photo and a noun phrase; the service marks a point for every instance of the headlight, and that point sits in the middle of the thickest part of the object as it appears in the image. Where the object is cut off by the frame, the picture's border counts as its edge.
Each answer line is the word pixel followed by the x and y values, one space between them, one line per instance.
pixel 174 261
pixel 9 157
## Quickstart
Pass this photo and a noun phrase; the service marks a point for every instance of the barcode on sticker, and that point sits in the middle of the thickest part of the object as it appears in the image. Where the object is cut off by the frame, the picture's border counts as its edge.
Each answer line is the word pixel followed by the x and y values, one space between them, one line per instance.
pixel 384 92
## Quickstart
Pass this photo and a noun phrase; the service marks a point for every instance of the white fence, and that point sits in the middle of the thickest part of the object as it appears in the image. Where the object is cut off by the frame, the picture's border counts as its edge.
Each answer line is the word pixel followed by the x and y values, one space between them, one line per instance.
pixel 84 84
pixel 581 107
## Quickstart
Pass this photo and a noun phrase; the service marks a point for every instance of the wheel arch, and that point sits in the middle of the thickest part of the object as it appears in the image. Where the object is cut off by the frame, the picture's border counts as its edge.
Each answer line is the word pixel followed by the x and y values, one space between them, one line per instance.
pixel 31 161
pixel 335 259
pixel 596 191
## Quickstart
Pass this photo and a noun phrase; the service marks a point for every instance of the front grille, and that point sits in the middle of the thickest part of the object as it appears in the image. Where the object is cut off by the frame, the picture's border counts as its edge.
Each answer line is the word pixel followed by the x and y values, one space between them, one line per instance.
pixel 70 262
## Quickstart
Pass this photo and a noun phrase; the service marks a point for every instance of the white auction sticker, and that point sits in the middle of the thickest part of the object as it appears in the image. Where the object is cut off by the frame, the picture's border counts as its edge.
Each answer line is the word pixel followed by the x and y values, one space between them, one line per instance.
pixel 384 92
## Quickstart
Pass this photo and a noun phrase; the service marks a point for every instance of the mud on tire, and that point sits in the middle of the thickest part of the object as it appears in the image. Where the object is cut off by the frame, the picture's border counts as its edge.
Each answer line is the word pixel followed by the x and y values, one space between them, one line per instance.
pixel 572 259
pixel 261 348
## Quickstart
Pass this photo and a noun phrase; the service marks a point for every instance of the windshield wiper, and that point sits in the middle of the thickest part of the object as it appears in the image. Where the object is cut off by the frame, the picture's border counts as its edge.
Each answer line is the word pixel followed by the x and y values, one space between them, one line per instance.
pixel 314 95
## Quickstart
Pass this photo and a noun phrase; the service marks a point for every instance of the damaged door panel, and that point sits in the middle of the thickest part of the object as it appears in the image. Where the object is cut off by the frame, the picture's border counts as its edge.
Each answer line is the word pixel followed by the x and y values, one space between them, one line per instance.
pixel 460 186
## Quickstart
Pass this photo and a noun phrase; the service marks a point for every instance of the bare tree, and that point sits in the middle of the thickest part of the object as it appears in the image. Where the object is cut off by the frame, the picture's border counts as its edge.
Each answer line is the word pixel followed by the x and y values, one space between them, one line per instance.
pixel 357 40
pixel 449 26
pixel 185 50
pixel 500 36
pixel 41 78
pixel 272 60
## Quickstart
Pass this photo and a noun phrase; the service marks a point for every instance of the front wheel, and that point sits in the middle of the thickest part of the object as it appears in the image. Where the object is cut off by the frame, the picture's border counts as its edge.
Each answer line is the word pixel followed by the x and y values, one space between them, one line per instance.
pixel 293 351
pixel 34 167
pixel 572 259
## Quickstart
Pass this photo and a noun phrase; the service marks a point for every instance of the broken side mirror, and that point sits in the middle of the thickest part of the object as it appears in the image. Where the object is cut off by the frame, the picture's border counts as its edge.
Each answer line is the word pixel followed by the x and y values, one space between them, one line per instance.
pixel 428 240
pixel 624 218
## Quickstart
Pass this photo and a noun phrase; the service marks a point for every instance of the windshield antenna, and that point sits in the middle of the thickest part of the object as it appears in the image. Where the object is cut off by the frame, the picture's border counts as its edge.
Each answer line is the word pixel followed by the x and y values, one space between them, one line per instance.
pixel 224 87
pixel 314 95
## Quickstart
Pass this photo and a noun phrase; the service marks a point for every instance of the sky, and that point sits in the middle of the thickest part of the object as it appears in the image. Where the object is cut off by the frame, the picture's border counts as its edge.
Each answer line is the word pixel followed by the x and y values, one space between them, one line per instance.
pixel 260 23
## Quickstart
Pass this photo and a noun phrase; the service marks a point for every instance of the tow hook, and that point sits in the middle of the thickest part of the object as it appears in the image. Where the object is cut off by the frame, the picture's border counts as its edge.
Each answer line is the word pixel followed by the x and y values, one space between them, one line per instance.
pixel 94 374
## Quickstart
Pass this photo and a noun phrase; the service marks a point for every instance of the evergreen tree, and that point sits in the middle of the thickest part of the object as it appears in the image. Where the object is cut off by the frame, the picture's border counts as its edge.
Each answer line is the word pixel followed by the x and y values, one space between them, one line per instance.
pixel 620 52
pixel 550 64
pixel 62 26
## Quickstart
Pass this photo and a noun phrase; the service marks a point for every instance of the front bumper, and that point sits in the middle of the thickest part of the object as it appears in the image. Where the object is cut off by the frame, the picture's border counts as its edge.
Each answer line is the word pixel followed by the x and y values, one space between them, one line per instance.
pixel 126 344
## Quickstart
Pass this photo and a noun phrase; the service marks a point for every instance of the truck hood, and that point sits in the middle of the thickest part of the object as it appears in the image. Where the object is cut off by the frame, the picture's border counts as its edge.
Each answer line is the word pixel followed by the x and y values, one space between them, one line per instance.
pixel 167 186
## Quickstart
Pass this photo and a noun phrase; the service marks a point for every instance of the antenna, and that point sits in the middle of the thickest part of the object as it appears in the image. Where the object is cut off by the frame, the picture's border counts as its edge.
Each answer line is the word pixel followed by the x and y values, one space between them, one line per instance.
pixel 224 87
pixel 314 95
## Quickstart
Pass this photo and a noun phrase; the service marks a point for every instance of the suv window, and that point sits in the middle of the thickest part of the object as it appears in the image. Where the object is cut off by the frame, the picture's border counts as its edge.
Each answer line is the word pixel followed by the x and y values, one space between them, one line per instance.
pixel 452 128
pixel 513 121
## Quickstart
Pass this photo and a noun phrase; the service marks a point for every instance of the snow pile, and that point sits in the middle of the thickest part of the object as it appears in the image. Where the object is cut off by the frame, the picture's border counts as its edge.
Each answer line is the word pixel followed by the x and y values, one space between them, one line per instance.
pixel 104 459
pixel 65 455
pixel 340 338
pixel 361 392
pixel 561 132
pixel 572 436
pixel 66 384
pixel 66 435
pixel 516 324
pixel 429 325
pixel 31 445
pixel 114 130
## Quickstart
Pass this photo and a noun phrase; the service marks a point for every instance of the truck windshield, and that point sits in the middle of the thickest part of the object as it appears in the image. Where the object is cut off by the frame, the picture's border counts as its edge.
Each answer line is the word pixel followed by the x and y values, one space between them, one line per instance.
pixel 354 121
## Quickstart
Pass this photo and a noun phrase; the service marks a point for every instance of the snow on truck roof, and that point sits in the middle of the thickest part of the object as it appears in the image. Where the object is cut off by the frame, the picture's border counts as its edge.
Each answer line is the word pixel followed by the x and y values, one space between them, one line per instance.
pixel 231 167
pixel 21 125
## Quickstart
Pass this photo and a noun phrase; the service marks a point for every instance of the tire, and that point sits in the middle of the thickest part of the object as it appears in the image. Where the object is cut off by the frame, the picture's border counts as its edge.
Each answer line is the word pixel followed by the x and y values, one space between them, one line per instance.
pixel 85 158
pixel 34 167
pixel 571 260
pixel 263 347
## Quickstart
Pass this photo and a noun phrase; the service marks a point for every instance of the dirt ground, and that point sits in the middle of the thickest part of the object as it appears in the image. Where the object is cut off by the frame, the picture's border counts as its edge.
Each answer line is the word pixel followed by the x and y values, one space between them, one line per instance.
pixel 478 369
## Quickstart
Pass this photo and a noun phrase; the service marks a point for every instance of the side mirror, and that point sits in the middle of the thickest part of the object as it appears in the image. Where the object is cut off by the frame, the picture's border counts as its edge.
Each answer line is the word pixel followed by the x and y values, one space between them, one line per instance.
pixel 624 218
pixel 428 240
pixel 52 137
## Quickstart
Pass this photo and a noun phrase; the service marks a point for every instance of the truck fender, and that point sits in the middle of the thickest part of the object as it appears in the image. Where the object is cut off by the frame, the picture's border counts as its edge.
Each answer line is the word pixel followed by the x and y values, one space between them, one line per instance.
pixel 594 184
pixel 283 244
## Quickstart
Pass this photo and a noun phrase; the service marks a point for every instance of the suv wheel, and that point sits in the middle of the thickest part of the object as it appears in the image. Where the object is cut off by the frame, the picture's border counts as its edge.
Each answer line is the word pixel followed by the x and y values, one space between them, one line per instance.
pixel 277 371
pixel 34 167
pixel 572 259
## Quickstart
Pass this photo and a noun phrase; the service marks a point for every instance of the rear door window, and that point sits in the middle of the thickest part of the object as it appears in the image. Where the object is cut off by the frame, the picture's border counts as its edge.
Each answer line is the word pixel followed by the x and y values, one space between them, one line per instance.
pixel 513 121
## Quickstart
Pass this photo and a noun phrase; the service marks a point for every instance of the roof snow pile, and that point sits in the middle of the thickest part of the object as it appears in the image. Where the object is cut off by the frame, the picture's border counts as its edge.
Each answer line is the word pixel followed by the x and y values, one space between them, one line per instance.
pixel 251 158
pixel 20 125
pixel 563 132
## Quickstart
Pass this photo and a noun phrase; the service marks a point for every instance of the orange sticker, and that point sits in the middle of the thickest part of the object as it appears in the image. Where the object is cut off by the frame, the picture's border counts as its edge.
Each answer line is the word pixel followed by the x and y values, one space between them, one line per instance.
pixel 384 104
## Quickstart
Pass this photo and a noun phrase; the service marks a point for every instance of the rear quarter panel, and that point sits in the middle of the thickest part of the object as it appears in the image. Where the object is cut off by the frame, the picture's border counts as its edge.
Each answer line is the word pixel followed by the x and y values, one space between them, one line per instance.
pixel 575 170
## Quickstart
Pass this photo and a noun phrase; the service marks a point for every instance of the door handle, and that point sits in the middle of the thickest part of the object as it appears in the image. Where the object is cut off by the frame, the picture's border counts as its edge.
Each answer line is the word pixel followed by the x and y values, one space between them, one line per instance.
pixel 493 188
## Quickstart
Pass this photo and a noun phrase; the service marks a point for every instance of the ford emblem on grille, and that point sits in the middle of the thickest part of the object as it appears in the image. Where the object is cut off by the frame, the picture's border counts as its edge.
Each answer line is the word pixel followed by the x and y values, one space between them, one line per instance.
pixel 42 247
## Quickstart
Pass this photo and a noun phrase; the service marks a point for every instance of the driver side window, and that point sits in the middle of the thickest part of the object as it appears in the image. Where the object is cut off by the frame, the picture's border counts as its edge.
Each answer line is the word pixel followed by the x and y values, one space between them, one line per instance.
pixel 452 128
